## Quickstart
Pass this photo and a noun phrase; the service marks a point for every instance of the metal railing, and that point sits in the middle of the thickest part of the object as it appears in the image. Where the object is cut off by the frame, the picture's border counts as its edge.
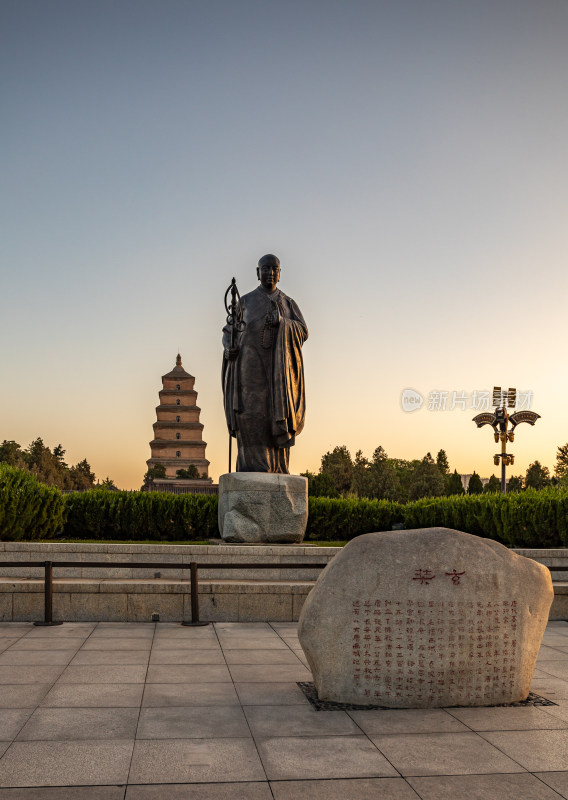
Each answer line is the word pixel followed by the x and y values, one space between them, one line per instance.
pixel 192 566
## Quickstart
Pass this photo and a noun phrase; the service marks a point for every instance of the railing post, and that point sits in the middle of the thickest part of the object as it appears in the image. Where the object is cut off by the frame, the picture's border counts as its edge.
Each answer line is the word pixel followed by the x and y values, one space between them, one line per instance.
pixel 48 596
pixel 194 596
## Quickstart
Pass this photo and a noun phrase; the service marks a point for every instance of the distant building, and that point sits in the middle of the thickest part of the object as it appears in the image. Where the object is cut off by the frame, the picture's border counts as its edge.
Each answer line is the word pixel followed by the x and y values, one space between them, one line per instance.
pixel 177 443
pixel 465 480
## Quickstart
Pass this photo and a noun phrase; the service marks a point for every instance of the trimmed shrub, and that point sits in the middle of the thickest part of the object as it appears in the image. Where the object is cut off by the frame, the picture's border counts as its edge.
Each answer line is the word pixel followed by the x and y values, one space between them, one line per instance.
pixel 29 510
pixel 337 519
pixel 159 516
pixel 534 518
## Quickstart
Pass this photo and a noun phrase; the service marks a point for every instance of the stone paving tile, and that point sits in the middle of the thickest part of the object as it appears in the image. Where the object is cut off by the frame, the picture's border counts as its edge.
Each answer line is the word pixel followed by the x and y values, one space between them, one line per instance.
pixel 208 722
pixel 507 719
pixel 94 695
pixel 66 763
pixel 554 689
pixel 65 643
pixel 482 787
pixel 67 630
pixel 550 654
pixel 270 694
pixel 176 643
pixel 4 746
pixel 558 669
pixel 267 721
pixel 199 761
pixel 7 642
pixel 12 720
pixel 65 793
pixel 277 673
pixel 158 695
pixel 250 643
pixel 36 657
pixel 559 711
pixel 70 724
pixel 444 754
pixel 187 656
pixel 109 673
pixel 556 780
pixel 95 657
pixel 194 673
pixel 350 789
pixel 536 751
pixel 110 643
pixel 29 674
pixel 260 657
pixel 406 720
pixel 23 695
pixel 200 791
pixel 307 757
pixel 123 631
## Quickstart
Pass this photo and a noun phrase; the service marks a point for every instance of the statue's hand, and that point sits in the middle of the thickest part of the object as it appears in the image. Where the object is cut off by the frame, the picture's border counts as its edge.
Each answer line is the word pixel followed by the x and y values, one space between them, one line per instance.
pixel 231 353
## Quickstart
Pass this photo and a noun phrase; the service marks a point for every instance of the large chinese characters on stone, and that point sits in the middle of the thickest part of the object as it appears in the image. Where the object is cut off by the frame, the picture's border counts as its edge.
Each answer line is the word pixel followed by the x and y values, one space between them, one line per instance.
pixel 426 618
pixel 265 404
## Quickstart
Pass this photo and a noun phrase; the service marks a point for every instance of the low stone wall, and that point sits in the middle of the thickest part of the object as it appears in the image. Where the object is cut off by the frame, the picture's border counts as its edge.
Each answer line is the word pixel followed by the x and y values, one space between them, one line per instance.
pixel 171 554
pixel 133 594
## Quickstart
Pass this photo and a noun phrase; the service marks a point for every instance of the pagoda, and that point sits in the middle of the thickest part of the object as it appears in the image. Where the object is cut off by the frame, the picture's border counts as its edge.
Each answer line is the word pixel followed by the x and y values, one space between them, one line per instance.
pixel 177 442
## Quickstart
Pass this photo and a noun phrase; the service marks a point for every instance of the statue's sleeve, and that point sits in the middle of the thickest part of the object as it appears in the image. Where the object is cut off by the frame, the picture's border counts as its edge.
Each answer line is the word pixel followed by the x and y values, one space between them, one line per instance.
pixel 288 379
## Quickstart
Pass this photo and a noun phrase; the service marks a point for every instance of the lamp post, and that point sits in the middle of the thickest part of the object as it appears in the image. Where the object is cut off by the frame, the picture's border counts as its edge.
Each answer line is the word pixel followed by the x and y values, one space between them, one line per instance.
pixel 499 420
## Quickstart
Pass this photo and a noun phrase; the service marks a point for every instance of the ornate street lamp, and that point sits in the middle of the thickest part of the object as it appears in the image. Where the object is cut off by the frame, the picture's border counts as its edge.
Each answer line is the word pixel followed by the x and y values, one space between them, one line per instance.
pixel 499 421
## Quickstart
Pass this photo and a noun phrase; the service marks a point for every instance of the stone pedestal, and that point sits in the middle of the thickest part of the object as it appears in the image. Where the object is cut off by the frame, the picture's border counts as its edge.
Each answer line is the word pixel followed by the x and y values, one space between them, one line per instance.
pixel 425 618
pixel 262 507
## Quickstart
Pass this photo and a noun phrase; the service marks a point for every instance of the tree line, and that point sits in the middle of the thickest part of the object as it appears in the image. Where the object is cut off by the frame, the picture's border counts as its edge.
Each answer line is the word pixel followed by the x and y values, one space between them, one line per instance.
pixel 49 466
pixel 385 478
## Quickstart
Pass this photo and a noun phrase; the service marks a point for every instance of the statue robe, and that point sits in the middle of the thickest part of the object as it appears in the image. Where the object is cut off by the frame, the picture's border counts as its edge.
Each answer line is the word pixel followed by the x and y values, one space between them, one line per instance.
pixel 263 389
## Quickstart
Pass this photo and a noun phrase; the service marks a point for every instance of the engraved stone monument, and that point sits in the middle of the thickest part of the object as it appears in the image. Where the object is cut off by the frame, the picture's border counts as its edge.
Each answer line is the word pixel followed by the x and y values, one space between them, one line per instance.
pixel 264 400
pixel 424 619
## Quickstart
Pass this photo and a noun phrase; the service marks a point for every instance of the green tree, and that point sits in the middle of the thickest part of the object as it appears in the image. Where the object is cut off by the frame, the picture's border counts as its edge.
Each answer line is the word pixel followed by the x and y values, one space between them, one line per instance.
pixel 191 473
pixel 427 480
pixel 475 486
pixel 515 483
pixel 385 483
pixel 454 484
pixel 320 485
pixel 157 471
pixel 361 480
pixel 561 466
pixel 11 453
pixel 46 467
pixel 492 485
pixel 442 463
pixel 404 471
pixel 81 476
pixel 537 477
pixel 339 466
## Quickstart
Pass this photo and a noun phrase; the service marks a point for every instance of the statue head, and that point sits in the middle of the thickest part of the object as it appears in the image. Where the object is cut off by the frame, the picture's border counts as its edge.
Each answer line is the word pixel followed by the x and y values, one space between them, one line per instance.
pixel 268 272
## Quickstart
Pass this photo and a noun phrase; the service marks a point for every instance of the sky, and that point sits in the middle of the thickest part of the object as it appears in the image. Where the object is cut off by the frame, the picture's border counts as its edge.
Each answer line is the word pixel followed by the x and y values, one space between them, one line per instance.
pixel 406 161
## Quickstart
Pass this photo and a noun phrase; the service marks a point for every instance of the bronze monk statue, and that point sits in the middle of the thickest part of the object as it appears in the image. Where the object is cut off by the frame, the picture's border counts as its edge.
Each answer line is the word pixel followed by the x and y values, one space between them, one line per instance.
pixel 263 374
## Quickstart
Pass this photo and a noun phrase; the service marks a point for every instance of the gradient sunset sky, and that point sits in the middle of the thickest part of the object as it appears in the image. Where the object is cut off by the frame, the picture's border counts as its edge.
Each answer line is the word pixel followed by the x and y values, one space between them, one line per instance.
pixel 407 161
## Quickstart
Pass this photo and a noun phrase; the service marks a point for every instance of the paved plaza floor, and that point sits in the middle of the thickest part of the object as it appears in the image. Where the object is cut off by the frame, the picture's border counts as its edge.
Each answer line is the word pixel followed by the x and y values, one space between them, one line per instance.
pixel 126 711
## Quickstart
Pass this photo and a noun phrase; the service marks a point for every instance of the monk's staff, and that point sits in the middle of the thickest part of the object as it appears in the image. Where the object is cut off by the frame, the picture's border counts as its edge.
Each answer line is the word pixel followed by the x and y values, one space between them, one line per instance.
pixel 237 325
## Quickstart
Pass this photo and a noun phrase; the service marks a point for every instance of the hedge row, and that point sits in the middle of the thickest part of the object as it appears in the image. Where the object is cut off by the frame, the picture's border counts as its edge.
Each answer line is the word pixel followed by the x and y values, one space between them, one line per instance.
pixel 520 519
pixel 158 516
pixel 29 510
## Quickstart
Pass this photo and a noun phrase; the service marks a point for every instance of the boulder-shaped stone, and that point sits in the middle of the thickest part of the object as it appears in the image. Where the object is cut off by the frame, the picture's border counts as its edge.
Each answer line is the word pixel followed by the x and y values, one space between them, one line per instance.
pixel 262 507
pixel 425 618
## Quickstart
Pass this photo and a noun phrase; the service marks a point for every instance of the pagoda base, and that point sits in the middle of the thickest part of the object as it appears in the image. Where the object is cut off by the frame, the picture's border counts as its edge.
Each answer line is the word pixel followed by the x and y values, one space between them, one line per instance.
pixel 260 507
